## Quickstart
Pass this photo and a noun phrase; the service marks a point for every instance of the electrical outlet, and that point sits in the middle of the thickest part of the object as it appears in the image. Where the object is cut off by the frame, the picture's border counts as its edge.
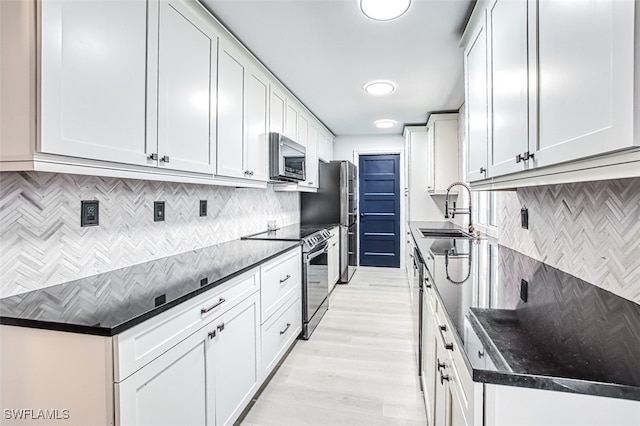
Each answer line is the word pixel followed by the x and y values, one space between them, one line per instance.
pixel 160 300
pixel 203 208
pixel 158 211
pixel 89 213
pixel 524 218
pixel 524 290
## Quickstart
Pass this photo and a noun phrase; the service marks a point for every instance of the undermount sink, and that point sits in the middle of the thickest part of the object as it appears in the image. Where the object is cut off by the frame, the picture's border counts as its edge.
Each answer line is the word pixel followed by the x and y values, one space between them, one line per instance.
pixel 445 233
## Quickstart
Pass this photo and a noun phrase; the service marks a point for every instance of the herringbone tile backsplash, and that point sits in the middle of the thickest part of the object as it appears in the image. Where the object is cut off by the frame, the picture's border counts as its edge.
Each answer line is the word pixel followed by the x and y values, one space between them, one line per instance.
pixel 42 243
pixel 590 230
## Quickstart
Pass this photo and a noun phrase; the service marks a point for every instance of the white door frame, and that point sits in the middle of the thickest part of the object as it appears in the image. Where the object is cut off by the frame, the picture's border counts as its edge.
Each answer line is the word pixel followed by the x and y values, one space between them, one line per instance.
pixel 356 160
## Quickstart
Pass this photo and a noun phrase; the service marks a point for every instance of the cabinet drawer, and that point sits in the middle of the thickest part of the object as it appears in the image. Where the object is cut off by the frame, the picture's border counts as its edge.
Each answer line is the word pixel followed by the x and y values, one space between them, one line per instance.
pixel 136 347
pixel 280 331
pixel 279 278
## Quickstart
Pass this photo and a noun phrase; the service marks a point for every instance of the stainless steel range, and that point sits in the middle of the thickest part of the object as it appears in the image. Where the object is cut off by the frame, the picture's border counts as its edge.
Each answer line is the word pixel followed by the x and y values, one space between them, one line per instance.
pixel 315 274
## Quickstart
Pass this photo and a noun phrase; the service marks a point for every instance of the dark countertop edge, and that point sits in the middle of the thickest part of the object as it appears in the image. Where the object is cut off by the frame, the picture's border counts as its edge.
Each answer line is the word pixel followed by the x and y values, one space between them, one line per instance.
pixel 559 384
pixel 110 332
pixel 414 225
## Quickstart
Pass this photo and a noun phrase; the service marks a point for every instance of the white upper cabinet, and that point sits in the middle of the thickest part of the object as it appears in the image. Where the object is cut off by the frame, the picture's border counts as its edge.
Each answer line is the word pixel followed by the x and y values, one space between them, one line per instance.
pixel 231 70
pixel 561 88
pixel 256 115
pixel 325 146
pixel 145 89
pixel 242 115
pixel 291 120
pixel 509 101
pixel 93 79
pixel 186 94
pixel 477 95
pixel 303 130
pixel 442 156
pixel 585 79
pixel 312 156
pixel 277 109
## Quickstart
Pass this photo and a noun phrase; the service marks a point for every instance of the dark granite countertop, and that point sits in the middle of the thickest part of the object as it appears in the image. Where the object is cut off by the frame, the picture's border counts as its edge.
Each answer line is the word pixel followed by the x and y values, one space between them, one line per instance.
pixel 568 335
pixel 109 303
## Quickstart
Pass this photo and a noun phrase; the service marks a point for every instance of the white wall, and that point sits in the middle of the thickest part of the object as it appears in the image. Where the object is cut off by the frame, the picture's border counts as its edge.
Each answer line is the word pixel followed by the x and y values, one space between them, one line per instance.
pixel 344 146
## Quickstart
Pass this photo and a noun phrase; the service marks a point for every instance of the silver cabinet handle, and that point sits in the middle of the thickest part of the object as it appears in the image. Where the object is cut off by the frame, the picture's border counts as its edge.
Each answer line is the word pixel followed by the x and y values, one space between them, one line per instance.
pixel 447 346
pixel 165 159
pixel 220 327
pixel 153 157
pixel 285 279
pixel 285 329
pixel 443 377
pixel 212 307
pixel 212 334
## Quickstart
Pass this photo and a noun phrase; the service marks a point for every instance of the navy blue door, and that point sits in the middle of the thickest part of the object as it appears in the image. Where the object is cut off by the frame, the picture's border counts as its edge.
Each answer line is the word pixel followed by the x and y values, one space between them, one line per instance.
pixel 380 210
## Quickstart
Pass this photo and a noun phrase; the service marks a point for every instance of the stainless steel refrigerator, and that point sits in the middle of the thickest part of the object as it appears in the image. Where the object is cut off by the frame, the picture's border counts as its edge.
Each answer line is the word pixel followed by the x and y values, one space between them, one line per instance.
pixel 336 203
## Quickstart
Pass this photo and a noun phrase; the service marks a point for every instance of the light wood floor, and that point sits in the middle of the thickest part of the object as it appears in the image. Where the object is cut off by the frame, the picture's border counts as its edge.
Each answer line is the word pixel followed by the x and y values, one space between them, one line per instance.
pixel 358 368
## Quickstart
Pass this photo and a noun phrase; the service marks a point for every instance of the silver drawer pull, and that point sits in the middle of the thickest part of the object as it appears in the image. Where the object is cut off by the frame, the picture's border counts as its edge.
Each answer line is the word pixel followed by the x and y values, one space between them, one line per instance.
pixel 447 346
pixel 285 329
pixel 285 279
pixel 212 307
pixel 212 334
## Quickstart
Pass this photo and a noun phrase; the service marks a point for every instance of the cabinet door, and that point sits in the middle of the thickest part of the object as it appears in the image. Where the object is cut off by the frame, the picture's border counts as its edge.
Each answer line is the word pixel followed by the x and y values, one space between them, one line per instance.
pixel 441 412
pixel 303 130
pixel 509 86
pixel 236 359
pixel 231 128
pixel 171 390
pixel 277 109
pixel 475 67
pixel 186 94
pixel 585 79
pixel 256 147
pixel 312 156
pixel 333 260
pixel 93 80
pixel 291 121
pixel 429 365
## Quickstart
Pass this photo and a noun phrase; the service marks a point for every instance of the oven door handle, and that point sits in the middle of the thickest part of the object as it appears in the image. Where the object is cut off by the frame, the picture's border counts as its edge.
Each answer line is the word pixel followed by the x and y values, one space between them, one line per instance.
pixel 317 252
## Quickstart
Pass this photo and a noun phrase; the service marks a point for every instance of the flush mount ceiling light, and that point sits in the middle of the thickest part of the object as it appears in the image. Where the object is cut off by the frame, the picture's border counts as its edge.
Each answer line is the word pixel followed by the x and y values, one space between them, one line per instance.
pixel 384 10
pixel 380 87
pixel 384 124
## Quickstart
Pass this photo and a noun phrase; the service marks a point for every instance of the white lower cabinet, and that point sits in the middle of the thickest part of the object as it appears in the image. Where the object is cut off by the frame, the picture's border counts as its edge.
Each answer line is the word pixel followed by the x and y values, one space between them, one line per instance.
pixel 448 388
pixel 171 390
pixel 207 379
pixel 333 258
pixel 279 332
pixel 235 359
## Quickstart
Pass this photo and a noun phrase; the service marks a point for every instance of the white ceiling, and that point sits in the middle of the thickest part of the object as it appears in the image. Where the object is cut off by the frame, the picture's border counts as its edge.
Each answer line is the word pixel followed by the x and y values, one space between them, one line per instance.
pixel 324 51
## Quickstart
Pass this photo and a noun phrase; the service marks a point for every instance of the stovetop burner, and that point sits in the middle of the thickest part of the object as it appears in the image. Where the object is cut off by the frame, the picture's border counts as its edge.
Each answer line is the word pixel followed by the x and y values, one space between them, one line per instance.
pixel 311 236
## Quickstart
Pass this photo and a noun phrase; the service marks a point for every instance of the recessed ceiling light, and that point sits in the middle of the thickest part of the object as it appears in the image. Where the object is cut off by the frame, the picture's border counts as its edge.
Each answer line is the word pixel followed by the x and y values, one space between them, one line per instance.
pixel 380 87
pixel 384 124
pixel 384 10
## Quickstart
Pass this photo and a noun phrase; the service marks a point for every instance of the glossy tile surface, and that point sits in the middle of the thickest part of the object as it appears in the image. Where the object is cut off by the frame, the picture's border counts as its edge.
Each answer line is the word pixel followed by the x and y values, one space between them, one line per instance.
pixel 112 302
pixel 358 368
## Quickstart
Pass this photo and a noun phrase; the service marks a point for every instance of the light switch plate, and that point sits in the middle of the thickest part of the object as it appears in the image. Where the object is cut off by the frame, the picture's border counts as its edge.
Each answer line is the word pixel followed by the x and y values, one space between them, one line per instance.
pixel 89 213
pixel 158 211
pixel 524 218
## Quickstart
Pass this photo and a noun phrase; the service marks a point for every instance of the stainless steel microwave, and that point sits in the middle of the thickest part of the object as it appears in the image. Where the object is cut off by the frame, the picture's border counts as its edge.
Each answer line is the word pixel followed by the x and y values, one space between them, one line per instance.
pixel 286 159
